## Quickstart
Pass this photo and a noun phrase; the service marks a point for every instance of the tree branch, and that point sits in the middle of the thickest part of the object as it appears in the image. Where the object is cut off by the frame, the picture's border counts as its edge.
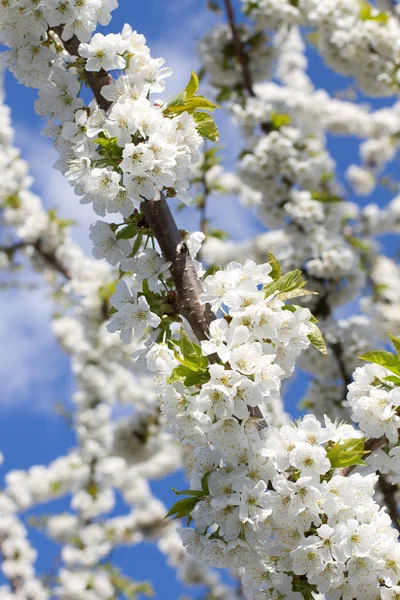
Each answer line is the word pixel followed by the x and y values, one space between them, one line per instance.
pixel 48 257
pixel 238 46
pixel 95 80
pixel 159 218
pixel 161 221
pixel 51 259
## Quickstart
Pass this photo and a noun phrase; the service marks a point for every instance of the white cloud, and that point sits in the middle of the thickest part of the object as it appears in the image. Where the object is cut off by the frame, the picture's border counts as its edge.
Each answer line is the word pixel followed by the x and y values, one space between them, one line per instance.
pixel 51 185
pixel 31 362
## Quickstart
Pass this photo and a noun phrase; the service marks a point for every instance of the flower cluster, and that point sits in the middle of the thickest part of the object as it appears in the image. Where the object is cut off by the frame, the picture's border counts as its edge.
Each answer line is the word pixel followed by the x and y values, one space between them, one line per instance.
pixel 112 454
pixel 255 344
pixel 288 174
pixel 355 38
pixel 24 27
pixel 374 402
pixel 282 505
pixel 275 506
pixel 121 149
pixel 18 555
pixel 219 58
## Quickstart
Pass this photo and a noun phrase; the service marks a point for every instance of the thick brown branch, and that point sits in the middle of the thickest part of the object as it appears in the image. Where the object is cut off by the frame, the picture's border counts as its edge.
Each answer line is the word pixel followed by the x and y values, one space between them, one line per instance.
pixel 239 51
pixel 159 218
pixel 95 80
pixel 163 226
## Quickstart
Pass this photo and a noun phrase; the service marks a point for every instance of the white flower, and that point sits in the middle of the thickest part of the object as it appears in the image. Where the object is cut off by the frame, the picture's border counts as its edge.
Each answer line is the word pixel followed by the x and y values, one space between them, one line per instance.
pixel 225 487
pixel 133 316
pixel 106 244
pixel 306 558
pixel 102 186
pixel 252 502
pixel 217 340
pixel 103 52
pixel 310 460
pixel 392 593
pixel 147 265
pixel 246 358
pixel 137 160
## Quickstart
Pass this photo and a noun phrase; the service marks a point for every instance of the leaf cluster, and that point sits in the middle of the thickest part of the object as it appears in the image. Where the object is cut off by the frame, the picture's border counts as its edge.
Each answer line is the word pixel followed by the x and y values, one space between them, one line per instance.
pixel 195 104
pixel 193 367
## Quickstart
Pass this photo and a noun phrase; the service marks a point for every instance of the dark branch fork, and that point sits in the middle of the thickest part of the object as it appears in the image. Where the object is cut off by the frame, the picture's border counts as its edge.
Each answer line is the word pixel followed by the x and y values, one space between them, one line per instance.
pixel 160 220
pixel 162 223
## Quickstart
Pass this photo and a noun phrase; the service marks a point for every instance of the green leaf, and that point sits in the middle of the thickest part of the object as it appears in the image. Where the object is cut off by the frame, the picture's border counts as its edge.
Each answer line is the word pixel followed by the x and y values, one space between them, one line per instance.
pixel 313 37
pixel 206 126
pixel 200 103
pixel 55 487
pixel 191 105
pixel 109 147
pixel 224 95
pixel 214 6
pixel 290 307
pixel 183 508
pixel 177 100
pixel 347 453
pixel 366 13
pixel 317 339
pixel 189 349
pixel 296 294
pixel 276 267
pixel 136 246
pixel 192 375
pixel 188 492
pixel 106 291
pixel 204 483
pixel 13 201
pixel 128 232
pixel 105 142
pixel 192 86
pixel 291 281
pixel 325 197
pixel 278 120
pixel 191 352
pixel 220 234
pixel 194 366
pixel 385 359
pixel 396 342
pixel 358 244
pixel 392 379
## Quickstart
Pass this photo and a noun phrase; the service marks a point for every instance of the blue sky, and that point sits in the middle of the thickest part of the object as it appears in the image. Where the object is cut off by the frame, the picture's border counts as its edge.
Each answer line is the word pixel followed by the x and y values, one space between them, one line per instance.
pixel 34 372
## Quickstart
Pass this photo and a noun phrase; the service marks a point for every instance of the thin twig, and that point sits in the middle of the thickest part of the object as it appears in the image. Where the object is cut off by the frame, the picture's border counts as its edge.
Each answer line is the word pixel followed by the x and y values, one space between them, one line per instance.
pixel 48 257
pixel 238 46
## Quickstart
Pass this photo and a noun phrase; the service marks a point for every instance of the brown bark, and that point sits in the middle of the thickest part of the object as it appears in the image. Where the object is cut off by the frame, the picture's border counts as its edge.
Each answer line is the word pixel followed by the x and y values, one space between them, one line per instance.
pixel 160 220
